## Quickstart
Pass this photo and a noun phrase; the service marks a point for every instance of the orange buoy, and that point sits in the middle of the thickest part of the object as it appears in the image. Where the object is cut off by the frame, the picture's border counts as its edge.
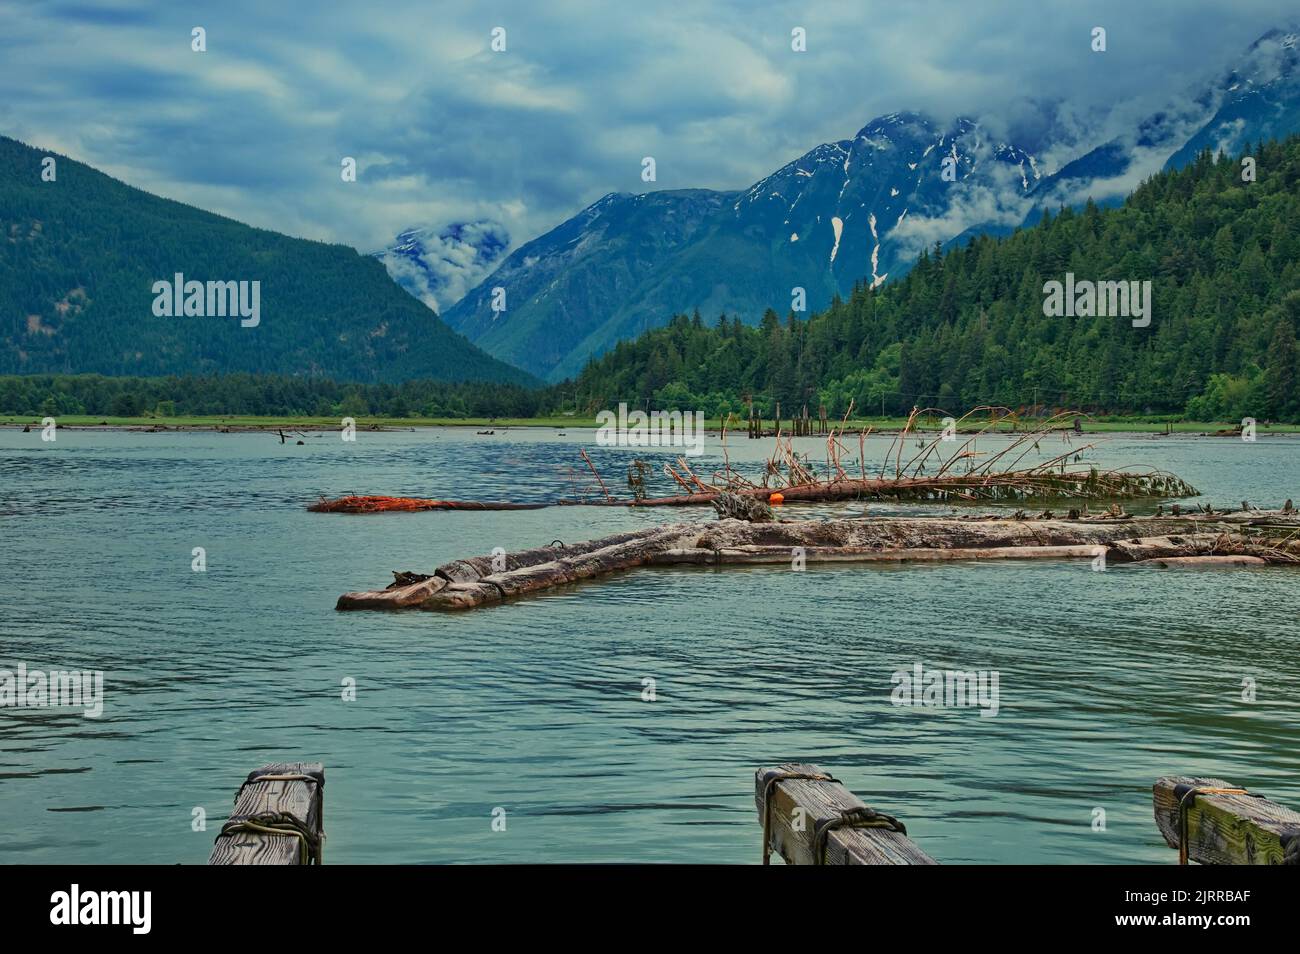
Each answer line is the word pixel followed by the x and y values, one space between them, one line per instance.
pixel 776 499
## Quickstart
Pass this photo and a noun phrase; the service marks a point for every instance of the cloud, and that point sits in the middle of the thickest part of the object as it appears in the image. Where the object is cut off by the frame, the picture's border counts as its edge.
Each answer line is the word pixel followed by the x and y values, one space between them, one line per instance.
pixel 447 131
pixel 441 268
pixel 998 201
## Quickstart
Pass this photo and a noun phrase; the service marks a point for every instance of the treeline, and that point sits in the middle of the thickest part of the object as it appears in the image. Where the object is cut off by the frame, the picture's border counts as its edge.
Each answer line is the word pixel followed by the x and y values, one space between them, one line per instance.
pixel 258 394
pixel 967 326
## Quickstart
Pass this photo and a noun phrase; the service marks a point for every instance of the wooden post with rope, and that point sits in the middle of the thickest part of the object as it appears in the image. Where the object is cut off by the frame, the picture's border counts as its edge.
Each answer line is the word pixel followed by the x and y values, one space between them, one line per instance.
pixel 278 818
pixel 1214 822
pixel 809 818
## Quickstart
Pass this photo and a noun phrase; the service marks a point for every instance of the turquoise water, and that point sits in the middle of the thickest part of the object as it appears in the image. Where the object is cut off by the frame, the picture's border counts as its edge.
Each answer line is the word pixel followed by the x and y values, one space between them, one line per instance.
pixel 1107 680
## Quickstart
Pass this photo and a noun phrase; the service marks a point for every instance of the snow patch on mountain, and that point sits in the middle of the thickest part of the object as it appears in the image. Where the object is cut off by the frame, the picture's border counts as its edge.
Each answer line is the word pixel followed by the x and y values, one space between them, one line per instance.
pixel 876 280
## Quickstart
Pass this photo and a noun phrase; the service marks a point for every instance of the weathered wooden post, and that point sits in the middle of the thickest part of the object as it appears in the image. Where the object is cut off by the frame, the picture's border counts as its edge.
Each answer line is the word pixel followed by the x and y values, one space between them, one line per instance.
pixel 278 818
pixel 809 818
pixel 1217 823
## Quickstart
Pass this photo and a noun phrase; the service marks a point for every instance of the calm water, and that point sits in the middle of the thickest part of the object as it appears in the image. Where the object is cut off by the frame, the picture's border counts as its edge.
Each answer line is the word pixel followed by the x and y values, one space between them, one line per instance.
pixel 1106 679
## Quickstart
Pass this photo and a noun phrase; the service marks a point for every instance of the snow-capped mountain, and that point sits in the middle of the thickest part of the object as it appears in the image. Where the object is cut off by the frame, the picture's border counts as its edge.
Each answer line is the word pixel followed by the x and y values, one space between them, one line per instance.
pixel 863 208
pixel 609 267
pixel 439 267
pixel 1258 99
pixel 856 210
pixel 846 211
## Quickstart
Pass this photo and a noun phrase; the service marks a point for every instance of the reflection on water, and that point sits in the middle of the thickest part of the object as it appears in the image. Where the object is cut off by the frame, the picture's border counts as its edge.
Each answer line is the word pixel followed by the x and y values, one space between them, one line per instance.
pixel 1106 679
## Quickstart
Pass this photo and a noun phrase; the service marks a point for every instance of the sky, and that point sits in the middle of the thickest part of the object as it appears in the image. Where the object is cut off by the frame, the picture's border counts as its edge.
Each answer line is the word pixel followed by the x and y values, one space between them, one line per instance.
pixel 444 129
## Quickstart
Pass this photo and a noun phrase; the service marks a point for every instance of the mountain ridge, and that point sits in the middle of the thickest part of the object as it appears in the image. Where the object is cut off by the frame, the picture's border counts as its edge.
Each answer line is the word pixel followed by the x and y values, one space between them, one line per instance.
pixel 850 211
pixel 740 250
pixel 81 255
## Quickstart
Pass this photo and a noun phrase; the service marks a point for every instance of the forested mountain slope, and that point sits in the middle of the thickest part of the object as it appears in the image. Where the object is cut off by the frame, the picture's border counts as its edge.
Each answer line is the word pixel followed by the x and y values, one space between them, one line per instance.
pixel 79 256
pixel 968 327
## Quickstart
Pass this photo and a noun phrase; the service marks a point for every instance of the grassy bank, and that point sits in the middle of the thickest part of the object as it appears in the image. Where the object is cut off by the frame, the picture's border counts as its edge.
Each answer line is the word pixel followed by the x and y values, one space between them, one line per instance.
pixel 305 422
pixel 255 423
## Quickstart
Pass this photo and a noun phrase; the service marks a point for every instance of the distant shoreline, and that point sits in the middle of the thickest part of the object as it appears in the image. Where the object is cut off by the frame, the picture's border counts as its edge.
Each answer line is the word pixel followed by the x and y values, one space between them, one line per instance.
pixel 240 424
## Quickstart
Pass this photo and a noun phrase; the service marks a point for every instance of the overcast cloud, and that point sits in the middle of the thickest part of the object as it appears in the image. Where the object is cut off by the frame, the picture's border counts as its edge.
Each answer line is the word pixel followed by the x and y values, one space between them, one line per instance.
pixel 445 130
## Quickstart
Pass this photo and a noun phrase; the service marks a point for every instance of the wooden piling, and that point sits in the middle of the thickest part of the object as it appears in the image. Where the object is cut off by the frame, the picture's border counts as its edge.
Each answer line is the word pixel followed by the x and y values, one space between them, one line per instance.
pixel 809 818
pixel 278 818
pixel 1224 823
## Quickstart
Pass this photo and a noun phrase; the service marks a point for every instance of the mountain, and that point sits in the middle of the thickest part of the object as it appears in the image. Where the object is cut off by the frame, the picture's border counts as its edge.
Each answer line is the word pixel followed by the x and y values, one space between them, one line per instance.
pixel 1213 263
pixel 440 266
pixel 80 256
pixel 597 278
pixel 857 210
pixel 852 210
pixel 1257 100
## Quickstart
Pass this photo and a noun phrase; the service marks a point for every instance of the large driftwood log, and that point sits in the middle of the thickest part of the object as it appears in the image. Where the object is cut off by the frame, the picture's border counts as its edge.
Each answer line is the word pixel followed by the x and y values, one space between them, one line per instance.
pixel 459 578
pixel 701 556
pixel 1194 539
pixel 582 562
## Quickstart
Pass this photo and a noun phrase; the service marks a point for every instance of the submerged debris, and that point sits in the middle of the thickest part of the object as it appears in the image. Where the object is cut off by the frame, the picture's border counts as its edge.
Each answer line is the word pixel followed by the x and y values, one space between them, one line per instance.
pixel 741 508
pixel 930 474
pixel 935 473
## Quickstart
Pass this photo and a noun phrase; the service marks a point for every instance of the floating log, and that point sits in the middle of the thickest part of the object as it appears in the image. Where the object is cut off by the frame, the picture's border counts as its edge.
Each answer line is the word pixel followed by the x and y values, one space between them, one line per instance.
pixel 278 818
pixel 395 597
pixel 1174 563
pixel 1078 484
pixel 478 581
pixel 768 555
pixel 1088 484
pixel 379 504
pixel 810 818
pixel 456 584
pixel 584 563
pixel 1224 824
